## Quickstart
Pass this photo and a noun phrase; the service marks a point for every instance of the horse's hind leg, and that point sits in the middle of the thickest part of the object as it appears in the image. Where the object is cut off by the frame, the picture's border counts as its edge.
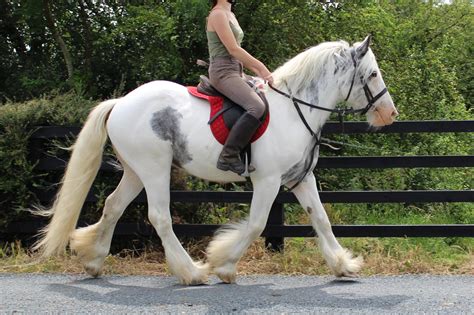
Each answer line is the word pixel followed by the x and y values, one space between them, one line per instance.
pixel 340 260
pixel 231 242
pixel 92 243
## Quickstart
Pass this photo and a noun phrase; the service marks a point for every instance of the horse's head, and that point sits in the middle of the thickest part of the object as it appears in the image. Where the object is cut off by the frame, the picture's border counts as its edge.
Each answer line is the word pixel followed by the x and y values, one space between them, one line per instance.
pixel 364 88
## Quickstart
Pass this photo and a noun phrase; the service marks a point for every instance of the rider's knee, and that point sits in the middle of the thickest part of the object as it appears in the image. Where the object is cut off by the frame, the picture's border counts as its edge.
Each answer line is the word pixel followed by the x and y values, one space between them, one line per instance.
pixel 257 111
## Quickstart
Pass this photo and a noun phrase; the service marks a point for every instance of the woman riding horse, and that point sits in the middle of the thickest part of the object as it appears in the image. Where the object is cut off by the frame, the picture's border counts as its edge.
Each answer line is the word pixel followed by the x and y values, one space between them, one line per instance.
pixel 166 126
pixel 227 59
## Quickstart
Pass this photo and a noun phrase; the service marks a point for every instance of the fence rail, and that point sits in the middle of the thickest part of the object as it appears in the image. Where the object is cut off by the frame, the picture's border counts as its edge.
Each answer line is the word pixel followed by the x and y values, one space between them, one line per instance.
pixel 276 230
pixel 54 164
pixel 430 126
pixel 421 196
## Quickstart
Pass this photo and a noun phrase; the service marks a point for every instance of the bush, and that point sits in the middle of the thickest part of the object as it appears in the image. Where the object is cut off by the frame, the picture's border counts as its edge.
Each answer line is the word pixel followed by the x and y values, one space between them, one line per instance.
pixel 18 177
pixel 19 180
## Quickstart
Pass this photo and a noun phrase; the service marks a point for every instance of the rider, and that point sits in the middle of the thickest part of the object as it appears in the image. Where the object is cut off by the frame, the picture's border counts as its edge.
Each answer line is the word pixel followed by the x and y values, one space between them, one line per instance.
pixel 227 59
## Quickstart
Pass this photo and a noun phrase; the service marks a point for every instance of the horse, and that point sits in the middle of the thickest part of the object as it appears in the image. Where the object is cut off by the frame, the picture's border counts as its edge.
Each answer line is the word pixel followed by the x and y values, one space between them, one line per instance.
pixel 159 124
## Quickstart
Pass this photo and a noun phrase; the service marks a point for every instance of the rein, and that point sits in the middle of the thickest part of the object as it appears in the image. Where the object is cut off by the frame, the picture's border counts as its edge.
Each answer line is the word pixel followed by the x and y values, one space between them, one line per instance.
pixel 340 112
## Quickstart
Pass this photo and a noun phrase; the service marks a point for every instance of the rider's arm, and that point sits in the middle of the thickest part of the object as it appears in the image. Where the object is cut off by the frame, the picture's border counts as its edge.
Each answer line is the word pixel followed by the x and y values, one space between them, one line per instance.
pixel 220 23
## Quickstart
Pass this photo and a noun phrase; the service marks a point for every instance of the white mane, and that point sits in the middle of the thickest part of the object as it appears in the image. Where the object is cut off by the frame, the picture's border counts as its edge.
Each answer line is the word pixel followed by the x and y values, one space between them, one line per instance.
pixel 301 70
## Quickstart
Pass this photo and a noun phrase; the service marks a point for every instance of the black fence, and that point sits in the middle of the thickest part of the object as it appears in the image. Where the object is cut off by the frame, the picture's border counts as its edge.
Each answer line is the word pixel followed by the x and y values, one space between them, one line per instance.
pixel 276 230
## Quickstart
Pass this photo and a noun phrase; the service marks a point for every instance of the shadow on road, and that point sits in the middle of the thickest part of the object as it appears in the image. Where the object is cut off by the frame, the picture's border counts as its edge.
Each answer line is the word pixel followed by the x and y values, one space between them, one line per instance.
pixel 224 297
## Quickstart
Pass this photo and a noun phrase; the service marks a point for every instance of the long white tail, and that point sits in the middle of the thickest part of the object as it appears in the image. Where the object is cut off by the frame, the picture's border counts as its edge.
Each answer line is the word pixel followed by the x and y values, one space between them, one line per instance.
pixel 81 171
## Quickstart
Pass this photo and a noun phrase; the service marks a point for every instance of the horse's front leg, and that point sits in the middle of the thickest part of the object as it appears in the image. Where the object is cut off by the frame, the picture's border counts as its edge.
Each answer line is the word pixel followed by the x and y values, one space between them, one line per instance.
pixel 231 242
pixel 340 260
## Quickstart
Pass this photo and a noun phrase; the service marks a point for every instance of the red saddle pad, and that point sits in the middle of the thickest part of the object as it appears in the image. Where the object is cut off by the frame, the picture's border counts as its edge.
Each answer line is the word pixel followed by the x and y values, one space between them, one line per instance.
pixel 218 127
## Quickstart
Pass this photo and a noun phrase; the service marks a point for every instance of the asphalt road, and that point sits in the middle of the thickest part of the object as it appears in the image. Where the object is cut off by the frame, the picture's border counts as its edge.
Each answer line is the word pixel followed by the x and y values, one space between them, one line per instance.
pixel 408 294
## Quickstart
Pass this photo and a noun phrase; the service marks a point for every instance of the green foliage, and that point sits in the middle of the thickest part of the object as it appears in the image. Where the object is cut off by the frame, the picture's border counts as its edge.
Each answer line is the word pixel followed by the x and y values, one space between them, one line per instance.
pixel 138 50
pixel 210 213
pixel 116 46
pixel 424 49
pixel 17 122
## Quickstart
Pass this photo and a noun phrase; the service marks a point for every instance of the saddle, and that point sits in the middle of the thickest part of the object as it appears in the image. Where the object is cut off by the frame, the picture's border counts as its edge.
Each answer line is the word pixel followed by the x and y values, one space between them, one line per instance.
pixel 224 113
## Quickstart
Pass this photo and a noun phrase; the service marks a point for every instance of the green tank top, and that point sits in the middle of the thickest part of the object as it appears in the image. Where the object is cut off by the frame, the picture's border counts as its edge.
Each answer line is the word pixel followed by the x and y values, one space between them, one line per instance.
pixel 216 47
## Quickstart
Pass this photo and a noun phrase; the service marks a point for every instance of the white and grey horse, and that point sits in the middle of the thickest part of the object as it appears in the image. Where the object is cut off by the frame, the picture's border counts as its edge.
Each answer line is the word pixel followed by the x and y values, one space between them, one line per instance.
pixel 160 124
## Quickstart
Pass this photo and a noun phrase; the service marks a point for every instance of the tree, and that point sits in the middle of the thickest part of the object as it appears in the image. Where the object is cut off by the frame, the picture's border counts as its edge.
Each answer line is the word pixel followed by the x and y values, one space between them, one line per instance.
pixel 58 38
pixel 101 48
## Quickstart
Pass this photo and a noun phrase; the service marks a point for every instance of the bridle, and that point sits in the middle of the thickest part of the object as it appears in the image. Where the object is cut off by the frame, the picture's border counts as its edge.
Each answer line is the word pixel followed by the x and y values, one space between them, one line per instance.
pixel 341 112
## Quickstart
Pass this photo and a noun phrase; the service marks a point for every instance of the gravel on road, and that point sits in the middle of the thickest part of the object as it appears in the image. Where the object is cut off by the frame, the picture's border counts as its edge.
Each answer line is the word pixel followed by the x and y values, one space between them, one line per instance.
pixel 407 294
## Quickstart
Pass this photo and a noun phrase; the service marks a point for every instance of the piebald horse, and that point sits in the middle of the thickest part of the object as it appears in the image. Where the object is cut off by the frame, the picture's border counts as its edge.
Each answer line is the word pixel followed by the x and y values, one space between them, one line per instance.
pixel 160 124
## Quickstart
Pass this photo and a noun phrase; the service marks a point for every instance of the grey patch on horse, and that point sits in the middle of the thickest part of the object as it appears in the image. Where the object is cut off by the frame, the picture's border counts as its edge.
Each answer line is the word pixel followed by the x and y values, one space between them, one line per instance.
pixel 298 171
pixel 323 84
pixel 309 210
pixel 338 64
pixel 342 62
pixel 314 97
pixel 293 173
pixel 166 125
pixel 341 67
pixel 323 73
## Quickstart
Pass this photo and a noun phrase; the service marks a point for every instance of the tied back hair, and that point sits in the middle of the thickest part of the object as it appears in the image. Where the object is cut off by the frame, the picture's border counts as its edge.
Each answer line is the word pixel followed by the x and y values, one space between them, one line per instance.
pixel 214 3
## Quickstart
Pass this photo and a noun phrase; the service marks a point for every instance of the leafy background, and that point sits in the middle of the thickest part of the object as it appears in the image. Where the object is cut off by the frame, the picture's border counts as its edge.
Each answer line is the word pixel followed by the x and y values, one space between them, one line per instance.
pixel 424 49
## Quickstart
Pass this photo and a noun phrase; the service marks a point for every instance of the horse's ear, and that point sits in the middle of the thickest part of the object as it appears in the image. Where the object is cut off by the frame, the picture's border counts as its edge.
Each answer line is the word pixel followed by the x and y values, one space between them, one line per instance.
pixel 363 48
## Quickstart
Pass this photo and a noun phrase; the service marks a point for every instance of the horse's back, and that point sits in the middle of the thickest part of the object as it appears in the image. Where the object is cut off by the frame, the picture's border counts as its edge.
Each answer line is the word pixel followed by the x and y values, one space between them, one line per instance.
pixel 150 96
pixel 139 106
pixel 161 120
pixel 130 124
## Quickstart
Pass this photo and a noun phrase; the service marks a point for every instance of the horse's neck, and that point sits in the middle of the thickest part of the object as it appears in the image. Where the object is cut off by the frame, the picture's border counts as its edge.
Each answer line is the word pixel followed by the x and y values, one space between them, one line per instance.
pixel 289 126
pixel 318 92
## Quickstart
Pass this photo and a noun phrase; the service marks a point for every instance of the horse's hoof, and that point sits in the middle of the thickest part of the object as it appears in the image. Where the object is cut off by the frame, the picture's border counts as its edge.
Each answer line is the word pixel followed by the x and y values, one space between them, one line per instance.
pixel 198 277
pixel 93 271
pixel 346 265
pixel 351 275
pixel 227 278
pixel 192 282
pixel 227 272
pixel 227 275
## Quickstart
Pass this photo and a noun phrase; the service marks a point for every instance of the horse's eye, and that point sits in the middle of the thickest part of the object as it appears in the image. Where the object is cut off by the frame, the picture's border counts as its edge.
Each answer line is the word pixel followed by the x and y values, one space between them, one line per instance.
pixel 373 74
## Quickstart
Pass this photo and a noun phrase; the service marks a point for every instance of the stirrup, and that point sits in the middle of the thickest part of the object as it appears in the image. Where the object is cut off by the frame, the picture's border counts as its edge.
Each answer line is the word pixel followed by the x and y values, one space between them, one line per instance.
pixel 246 173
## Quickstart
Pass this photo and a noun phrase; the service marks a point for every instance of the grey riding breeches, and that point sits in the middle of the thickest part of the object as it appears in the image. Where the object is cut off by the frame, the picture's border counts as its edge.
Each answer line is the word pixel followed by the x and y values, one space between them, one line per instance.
pixel 226 76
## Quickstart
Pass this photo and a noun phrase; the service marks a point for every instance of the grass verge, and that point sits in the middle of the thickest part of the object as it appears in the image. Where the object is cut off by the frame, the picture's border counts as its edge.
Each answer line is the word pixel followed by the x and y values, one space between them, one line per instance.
pixel 389 256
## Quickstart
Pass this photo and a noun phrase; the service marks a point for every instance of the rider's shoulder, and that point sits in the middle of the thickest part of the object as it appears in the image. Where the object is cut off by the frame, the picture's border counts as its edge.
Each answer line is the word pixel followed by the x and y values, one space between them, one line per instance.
pixel 218 13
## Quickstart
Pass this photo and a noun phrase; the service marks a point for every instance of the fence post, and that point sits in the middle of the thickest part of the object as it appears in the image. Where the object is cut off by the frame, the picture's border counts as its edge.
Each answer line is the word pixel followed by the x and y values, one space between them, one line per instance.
pixel 276 217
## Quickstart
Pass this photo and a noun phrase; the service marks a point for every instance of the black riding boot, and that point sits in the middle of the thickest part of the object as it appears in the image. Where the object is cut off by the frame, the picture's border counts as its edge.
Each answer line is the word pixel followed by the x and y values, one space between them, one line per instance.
pixel 239 137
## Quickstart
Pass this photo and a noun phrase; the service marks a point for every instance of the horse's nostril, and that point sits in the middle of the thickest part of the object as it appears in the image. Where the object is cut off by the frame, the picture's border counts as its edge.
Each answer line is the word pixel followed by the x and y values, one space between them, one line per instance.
pixel 394 113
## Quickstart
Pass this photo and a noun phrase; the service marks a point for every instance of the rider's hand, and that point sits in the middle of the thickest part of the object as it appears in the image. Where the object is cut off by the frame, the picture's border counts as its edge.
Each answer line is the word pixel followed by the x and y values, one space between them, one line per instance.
pixel 269 78
pixel 267 75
